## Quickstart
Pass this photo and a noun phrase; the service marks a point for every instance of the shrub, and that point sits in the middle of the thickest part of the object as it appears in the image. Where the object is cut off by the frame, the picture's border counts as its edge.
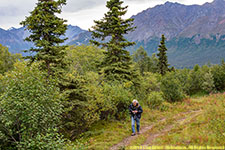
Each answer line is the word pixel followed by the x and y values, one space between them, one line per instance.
pixel 195 80
pixel 30 109
pixel 84 58
pixel 119 97
pixel 155 100
pixel 208 82
pixel 171 88
pixel 107 100
pixel 50 140
pixel 149 83
pixel 7 59
pixel 218 73
pixel 91 99
pixel 183 75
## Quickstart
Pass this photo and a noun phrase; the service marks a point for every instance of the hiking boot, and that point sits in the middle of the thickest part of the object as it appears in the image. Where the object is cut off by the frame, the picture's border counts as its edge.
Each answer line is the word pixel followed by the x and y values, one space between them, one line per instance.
pixel 133 134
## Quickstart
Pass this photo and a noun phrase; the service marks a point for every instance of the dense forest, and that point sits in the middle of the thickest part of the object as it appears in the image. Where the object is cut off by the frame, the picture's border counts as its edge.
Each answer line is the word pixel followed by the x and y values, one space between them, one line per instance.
pixel 50 98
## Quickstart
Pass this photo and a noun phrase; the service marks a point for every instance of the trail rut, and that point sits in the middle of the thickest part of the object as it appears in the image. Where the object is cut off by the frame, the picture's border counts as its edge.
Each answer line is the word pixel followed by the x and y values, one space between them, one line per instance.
pixel 153 136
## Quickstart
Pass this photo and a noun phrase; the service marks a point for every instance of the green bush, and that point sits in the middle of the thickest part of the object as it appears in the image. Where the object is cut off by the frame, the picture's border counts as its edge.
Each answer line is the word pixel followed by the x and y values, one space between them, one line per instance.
pixel 208 82
pixel 195 80
pixel 84 58
pixel 91 99
pixel 30 109
pixel 183 75
pixel 149 83
pixel 50 140
pixel 171 88
pixel 218 72
pixel 119 97
pixel 155 100
pixel 7 59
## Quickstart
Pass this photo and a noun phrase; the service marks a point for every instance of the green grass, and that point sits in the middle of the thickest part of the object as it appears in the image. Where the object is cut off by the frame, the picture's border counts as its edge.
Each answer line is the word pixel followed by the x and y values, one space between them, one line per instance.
pixel 206 128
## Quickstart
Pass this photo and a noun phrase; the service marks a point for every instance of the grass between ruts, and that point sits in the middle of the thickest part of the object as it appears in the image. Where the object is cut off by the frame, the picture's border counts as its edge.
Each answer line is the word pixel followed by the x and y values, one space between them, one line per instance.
pixel 206 128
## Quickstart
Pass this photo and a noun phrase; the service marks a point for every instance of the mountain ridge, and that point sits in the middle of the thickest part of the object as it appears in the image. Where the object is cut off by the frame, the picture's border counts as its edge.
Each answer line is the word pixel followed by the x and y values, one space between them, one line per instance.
pixel 195 33
pixel 13 38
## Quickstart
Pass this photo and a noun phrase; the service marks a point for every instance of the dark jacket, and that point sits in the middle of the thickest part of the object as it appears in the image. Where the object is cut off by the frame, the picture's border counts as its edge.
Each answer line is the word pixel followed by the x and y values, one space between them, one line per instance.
pixel 133 108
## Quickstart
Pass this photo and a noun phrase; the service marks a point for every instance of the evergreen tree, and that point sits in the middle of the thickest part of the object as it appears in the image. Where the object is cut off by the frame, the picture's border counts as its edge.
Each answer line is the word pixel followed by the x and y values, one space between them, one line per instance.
pixel 163 62
pixel 46 30
pixel 111 30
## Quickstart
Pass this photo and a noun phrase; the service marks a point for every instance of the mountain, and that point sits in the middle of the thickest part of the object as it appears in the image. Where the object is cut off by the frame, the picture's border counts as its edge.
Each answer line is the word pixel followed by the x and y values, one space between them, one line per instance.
pixel 195 33
pixel 177 20
pixel 14 37
pixel 72 32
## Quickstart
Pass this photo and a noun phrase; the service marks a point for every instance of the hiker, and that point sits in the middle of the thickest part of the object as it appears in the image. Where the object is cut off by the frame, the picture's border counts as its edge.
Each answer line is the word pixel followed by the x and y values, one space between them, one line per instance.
pixel 135 112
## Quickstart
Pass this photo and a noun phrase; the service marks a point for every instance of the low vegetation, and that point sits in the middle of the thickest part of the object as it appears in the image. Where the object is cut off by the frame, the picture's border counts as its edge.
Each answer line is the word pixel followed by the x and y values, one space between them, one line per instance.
pixel 94 113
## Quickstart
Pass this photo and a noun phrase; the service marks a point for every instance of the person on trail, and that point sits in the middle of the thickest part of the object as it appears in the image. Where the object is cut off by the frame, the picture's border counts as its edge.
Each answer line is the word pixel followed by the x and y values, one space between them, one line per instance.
pixel 135 112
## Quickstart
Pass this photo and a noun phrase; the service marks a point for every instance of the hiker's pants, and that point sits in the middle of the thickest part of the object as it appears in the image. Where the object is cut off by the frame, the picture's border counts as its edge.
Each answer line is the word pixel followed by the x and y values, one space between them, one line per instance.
pixel 137 120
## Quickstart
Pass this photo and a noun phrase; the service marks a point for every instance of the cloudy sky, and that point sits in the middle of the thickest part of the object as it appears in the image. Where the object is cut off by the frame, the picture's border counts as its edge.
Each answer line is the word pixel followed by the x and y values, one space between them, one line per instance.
pixel 77 12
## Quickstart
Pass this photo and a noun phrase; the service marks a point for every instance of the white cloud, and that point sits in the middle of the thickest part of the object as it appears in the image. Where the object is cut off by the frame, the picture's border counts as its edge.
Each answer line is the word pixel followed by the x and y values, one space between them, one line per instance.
pixel 79 5
pixel 77 12
pixel 84 18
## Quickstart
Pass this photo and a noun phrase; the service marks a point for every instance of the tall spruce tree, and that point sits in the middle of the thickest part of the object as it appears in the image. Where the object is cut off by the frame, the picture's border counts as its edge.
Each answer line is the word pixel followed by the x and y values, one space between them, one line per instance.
pixel 111 30
pixel 46 33
pixel 163 62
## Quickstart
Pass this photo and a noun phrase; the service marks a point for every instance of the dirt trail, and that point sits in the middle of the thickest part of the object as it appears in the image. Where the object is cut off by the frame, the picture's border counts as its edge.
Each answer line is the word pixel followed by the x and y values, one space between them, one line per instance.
pixel 167 128
pixel 127 140
pixel 151 137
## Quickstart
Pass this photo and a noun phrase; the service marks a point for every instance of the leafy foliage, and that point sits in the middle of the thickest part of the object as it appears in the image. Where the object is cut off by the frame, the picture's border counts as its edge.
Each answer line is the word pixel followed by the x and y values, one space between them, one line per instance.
pixel 208 82
pixel 155 100
pixel 149 83
pixel 90 99
pixel 84 58
pixel 119 96
pixel 7 59
pixel 218 72
pixel 171 88
pixel 29 110
pixel 143 62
